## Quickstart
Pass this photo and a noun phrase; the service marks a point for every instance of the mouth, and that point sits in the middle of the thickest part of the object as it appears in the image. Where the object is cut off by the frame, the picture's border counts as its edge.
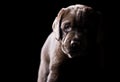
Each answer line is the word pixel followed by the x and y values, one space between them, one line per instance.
pixel 72 51
pixel 73 54
pixel 77 51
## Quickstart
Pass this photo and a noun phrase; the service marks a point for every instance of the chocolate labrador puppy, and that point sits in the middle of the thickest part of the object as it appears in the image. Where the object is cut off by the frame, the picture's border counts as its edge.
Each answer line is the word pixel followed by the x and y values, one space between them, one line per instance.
pixel 75 31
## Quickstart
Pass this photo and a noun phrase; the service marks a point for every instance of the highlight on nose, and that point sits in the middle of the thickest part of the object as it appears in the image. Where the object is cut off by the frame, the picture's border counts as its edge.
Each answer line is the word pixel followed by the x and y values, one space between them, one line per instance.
pixel 75 44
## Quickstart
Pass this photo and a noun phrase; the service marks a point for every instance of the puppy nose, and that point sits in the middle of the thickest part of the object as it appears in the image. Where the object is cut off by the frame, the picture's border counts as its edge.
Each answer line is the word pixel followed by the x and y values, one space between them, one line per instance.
pixel 75 44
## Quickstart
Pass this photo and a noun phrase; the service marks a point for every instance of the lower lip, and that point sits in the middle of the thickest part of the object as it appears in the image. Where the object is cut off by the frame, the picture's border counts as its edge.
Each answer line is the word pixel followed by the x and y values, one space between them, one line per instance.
pixel 75 51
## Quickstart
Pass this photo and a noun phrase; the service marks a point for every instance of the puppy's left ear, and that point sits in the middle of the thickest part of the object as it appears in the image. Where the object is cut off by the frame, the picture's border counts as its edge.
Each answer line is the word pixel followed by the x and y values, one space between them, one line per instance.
pixel 56 24
pixel 99 27
pixel 96 21
pixel 100 39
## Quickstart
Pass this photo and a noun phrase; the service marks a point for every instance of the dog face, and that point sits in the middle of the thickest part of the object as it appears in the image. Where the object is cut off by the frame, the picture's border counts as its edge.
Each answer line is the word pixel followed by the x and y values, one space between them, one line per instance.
pixel 74 26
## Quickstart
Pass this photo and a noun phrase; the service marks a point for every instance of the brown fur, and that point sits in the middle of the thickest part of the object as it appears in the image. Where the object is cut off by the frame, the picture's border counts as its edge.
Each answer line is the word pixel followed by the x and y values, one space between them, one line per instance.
pixel 56 48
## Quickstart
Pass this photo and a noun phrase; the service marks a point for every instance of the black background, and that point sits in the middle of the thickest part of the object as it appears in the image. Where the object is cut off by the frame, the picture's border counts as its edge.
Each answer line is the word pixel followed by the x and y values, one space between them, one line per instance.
pixel 28 23
pixel 43 14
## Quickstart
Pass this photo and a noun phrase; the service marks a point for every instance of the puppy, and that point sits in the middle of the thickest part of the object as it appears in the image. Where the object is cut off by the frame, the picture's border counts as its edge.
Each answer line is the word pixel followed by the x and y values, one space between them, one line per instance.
pixel 74 35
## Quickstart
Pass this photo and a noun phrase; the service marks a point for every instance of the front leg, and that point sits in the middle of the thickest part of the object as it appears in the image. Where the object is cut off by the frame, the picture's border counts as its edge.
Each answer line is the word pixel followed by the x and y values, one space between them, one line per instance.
pixel 54 68
pixel 43 72
pixel 44 68
pixel 53 76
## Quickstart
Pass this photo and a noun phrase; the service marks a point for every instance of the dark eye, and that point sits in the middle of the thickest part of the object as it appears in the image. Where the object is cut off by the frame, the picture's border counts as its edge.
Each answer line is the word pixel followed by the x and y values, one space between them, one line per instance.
pixel 67 27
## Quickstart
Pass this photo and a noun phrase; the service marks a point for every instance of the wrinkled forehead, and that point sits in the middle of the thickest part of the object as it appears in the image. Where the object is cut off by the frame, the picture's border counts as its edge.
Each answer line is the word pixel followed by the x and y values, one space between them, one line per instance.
pixel 76 13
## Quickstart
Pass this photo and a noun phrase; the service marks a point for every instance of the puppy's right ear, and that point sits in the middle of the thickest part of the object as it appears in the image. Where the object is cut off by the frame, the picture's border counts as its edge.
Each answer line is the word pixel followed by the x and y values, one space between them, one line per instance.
pixel 56 24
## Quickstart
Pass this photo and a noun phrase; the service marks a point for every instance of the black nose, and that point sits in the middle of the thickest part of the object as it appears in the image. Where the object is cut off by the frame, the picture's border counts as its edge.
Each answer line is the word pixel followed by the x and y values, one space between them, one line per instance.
pixel 75 44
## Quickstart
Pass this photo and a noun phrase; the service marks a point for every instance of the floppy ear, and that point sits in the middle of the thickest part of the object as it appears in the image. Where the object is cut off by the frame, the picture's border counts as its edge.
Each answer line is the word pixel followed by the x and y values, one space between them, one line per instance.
pixel 97 20
pixel 100 28
pixel 100 40
pixel 56 24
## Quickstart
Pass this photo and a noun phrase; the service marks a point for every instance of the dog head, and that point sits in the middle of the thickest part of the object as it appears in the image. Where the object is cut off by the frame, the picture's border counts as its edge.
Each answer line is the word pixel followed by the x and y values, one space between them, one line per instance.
pixel 75 27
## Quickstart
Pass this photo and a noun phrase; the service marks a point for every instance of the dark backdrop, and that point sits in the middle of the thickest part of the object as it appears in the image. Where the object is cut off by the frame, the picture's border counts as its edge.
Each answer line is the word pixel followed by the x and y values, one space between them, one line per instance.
pixel 42 15
pixel 26 24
